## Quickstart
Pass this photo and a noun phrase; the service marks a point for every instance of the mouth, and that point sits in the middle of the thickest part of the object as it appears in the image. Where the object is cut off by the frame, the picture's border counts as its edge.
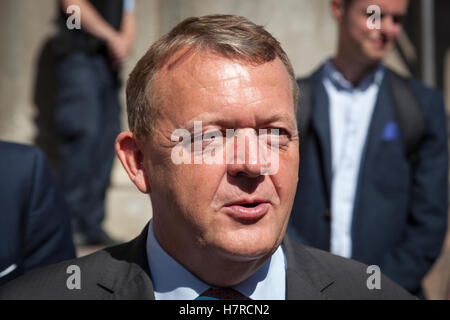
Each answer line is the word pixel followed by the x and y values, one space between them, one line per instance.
pixel 250 205
pixel 247 211
pixel 380 43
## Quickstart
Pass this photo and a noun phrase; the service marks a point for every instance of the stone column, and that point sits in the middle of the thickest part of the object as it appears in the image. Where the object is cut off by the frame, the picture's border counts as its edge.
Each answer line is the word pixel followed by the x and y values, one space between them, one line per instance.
pixel 23 27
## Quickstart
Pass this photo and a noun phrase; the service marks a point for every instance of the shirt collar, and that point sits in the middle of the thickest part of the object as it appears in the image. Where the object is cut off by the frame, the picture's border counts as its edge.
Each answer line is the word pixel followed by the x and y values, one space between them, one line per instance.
pixel 339 81
pixel 172 281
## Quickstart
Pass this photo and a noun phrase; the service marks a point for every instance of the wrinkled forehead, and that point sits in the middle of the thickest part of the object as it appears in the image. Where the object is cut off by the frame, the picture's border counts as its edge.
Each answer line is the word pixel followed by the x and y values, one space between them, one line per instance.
pixel 198 75
pixel 205 83
pixel 213 68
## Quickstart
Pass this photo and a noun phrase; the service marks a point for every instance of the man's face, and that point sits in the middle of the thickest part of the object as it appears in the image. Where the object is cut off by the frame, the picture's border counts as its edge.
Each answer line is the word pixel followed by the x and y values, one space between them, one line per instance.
pixel 226 209
pixel 370 44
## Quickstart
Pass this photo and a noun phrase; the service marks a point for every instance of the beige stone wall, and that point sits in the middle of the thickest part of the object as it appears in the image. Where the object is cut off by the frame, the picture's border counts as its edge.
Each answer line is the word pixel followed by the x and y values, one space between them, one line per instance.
pixel 24 24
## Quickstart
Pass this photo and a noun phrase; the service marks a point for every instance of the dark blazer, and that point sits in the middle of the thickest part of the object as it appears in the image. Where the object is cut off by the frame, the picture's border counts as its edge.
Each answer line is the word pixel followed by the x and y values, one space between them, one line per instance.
pixel 35 228
pixel 400 212
pixel 122 272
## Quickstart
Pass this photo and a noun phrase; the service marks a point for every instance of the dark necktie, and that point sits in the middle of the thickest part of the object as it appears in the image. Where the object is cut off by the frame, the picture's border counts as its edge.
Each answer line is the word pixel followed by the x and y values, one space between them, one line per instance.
pixel 221 294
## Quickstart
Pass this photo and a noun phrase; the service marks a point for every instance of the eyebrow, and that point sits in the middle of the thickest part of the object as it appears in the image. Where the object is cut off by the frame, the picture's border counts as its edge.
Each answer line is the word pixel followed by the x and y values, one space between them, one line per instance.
pixel 205 118
pixel 281 117
pixel 210 119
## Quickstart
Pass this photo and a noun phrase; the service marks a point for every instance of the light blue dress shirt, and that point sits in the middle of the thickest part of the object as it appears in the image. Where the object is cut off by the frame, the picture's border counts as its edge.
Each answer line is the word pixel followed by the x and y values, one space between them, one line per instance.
pixel 350 110
pixel 128 5
pixel 171 281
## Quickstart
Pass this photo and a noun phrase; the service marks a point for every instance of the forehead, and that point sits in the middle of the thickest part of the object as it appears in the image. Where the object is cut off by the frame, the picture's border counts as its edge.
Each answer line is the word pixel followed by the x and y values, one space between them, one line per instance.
pixel 206 83
pixel 387 6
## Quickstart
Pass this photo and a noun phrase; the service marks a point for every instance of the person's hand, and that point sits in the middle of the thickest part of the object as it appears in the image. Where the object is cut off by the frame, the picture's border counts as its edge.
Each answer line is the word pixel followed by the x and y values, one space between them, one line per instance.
pixel 119 48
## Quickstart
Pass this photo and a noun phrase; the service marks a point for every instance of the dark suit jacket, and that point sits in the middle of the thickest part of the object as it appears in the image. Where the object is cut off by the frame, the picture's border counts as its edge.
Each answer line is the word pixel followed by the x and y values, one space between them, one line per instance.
pixel 400 212
pixel 35 228
pixel 122 272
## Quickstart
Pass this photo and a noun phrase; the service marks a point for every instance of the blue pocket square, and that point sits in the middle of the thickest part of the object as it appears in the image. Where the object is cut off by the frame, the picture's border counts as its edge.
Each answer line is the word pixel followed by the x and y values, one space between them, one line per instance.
pixel 390 132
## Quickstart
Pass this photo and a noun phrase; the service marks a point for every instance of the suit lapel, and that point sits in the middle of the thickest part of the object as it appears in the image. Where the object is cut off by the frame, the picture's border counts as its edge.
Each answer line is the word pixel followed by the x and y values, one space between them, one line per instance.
pixel 304 279
pixel 320 121
pixel 382 114
pixel 127 274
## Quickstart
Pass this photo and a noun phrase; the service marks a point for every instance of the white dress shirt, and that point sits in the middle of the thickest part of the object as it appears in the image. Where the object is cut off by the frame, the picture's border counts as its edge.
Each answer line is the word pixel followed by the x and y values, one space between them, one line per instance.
pixel 350 110
pixel 171 281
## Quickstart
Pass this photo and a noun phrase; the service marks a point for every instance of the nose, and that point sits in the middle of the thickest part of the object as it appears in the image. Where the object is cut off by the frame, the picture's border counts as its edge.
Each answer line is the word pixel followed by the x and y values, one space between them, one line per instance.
pixel 245 160
pixel 245 170
pixel 390 27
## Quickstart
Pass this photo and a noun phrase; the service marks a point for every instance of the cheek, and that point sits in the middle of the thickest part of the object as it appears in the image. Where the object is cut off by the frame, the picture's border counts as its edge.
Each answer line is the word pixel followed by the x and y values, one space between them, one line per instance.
pixel 285 181
pixel 362 34
pixel 199 183
pixel 358 29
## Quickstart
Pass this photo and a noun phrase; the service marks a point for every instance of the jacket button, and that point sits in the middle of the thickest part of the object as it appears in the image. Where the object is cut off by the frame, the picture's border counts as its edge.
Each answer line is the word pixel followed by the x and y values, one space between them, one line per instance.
pixel 327 215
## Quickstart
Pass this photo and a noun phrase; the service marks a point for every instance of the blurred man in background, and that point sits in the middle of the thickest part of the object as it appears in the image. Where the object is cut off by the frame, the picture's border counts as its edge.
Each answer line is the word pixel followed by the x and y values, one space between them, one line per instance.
pixel 88 114
pixel 35 226
pixel 373 173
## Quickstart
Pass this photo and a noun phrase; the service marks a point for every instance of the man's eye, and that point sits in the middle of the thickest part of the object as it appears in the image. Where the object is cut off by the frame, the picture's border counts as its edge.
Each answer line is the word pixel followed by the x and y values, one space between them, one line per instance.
pixel 279 132
pixel 211 136
pixel 196 138
pixel 278 137
pixel 398 19
pixel 209 139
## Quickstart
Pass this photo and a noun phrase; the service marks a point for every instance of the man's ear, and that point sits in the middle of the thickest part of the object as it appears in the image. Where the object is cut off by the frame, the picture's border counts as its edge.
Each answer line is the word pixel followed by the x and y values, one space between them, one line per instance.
pixel 337 9
pixel 132 159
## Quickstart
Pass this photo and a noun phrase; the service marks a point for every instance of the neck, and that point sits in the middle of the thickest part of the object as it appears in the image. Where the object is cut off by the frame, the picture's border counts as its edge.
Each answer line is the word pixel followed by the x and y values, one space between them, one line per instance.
pixel 352 67
pixel 208 263
pixel 225 271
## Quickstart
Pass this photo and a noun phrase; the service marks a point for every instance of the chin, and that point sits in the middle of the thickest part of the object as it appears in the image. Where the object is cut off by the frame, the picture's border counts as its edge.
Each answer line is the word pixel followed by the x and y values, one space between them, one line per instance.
pixel 376 54
pixel 248 247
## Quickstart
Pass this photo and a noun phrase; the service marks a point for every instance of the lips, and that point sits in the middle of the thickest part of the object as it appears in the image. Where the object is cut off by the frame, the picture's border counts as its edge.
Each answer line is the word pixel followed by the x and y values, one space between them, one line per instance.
pixel 247 211
pixel 380 42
